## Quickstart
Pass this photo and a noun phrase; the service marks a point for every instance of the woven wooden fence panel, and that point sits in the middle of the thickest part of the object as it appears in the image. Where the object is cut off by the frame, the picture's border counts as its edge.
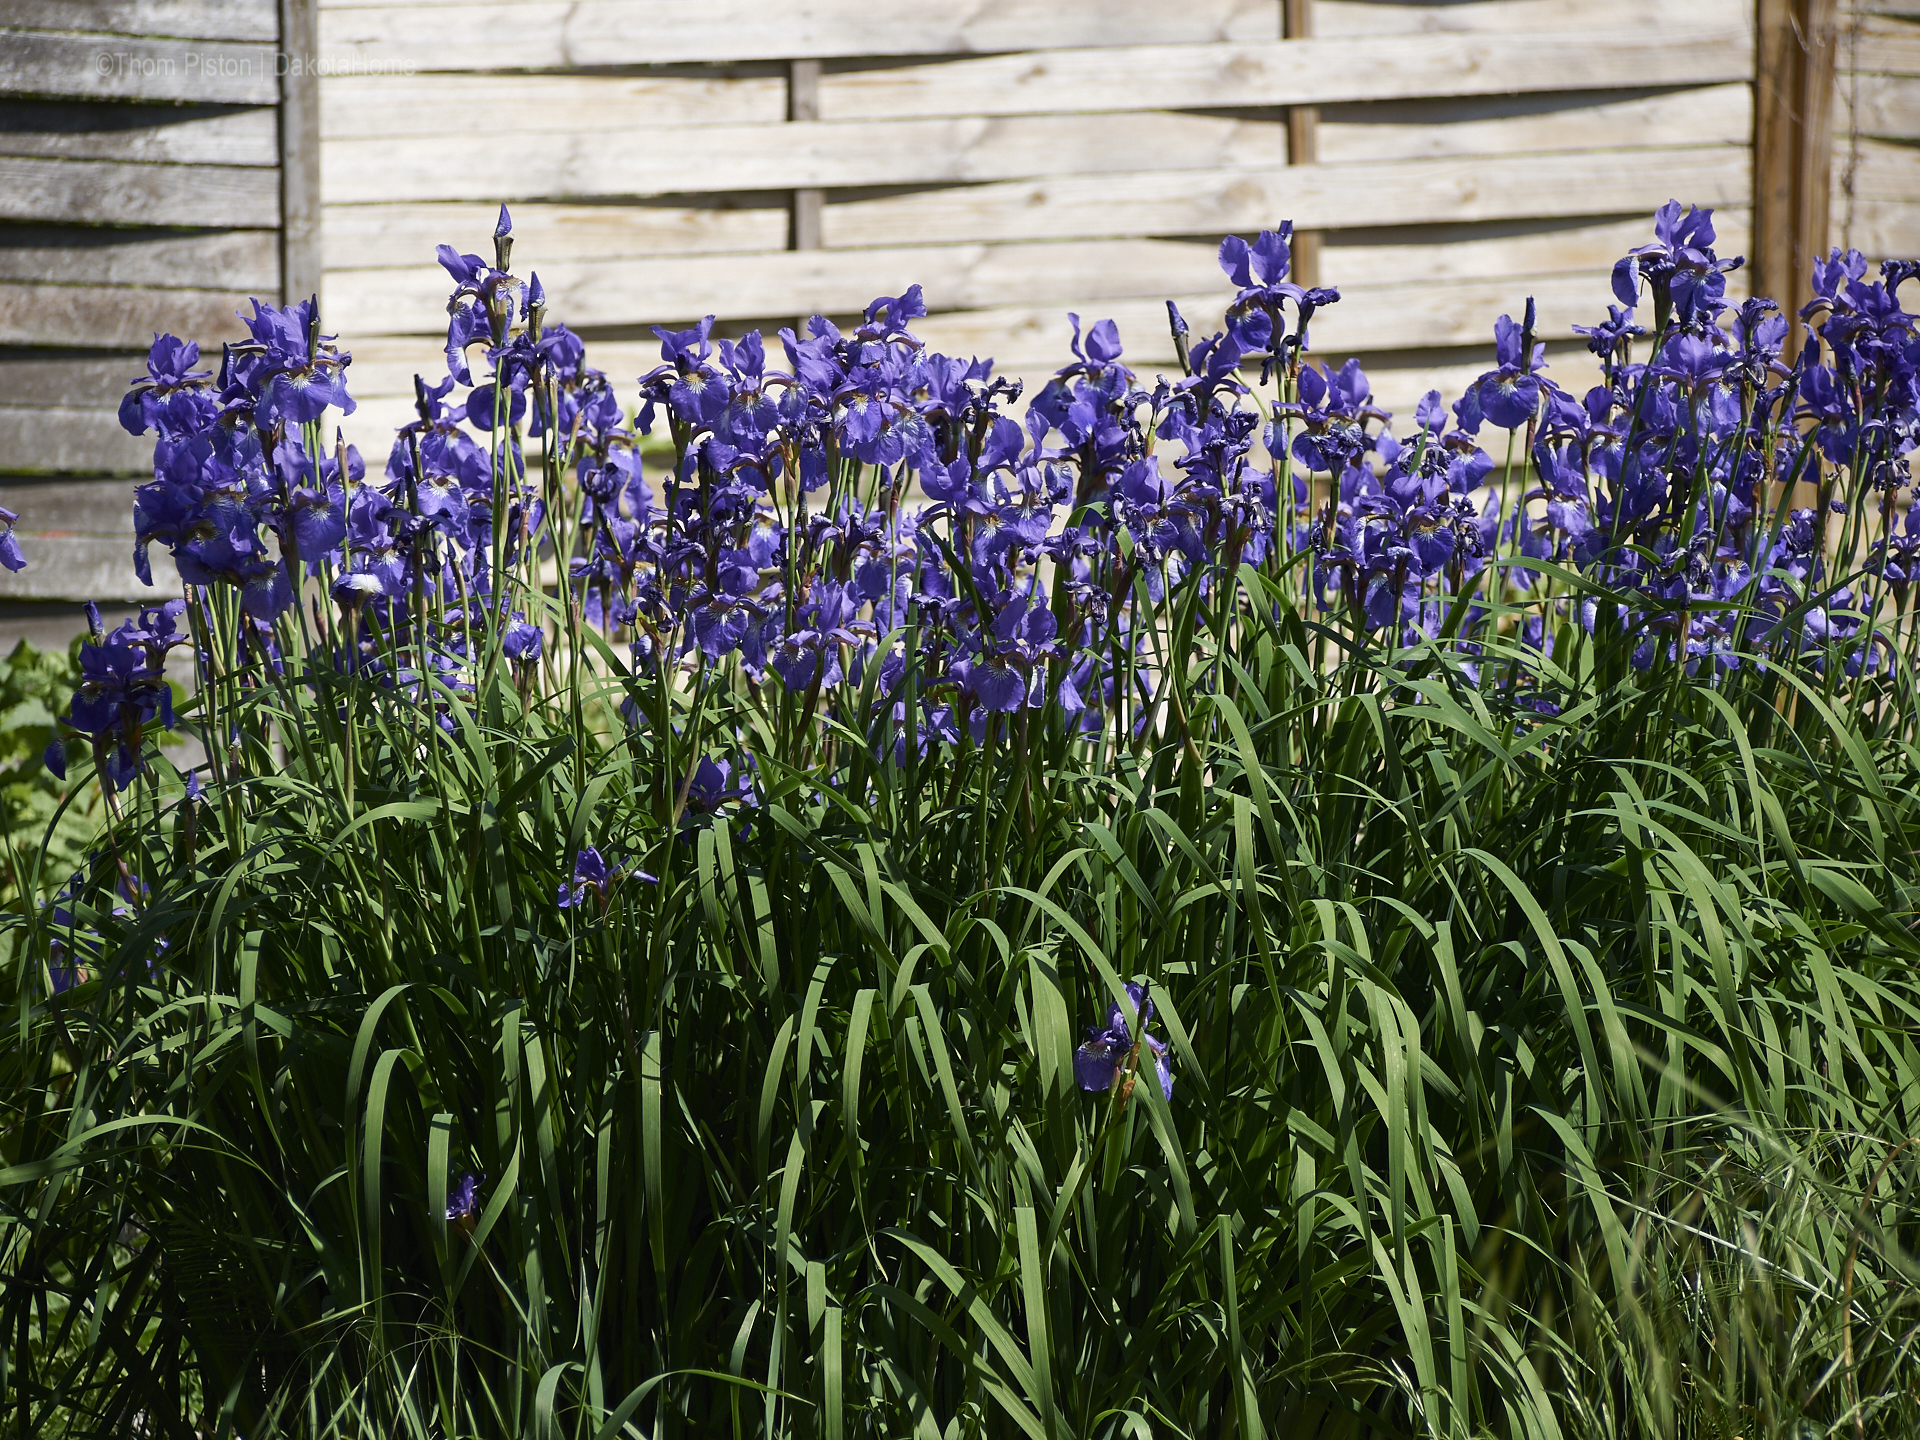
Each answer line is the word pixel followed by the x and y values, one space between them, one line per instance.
pixel 140 191
pixel 666 159
pixel 1020 160
pixel 1876 129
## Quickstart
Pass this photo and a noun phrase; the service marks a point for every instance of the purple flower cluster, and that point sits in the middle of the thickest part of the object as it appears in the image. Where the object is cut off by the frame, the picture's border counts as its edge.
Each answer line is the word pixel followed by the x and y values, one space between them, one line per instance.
pixel 123 690
pixel 851 518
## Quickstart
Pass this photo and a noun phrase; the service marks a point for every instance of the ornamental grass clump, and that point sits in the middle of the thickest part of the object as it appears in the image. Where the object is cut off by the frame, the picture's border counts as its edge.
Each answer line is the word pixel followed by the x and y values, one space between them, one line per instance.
pixel 849 900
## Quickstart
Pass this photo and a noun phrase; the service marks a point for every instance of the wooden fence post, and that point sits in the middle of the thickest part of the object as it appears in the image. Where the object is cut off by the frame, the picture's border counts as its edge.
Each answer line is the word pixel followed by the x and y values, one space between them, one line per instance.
pixel 1303 142
pixel 803 104
pixel 1792 145
pixel 300 256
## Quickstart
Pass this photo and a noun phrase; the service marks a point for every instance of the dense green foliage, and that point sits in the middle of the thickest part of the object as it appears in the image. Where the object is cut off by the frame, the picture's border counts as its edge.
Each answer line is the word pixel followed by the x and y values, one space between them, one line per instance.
pixel 1533 1075
pixel 34 689
pixel 650 994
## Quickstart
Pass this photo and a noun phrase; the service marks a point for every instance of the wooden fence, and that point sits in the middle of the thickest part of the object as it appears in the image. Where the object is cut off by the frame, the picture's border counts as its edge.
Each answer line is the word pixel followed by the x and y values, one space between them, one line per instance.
pixel 666 159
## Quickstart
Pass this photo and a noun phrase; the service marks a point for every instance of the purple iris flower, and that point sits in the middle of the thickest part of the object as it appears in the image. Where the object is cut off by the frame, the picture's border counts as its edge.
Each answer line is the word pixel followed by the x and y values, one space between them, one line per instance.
pixel 171 395
pixel 10 555
pixel 593 876
pixel 713 785
pixel 1100 1062
pixel 464 1202
pixel 1679 267
pixel 294 372
pixel 523 642
pixel 1509 396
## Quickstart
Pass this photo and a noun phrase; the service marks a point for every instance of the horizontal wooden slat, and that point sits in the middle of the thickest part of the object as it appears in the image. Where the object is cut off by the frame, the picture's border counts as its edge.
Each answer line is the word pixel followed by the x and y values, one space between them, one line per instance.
pixel 551 34
pixel 116 318
pixel 92 382
pixel 783 156
pixel 1374 17
pixel 1507 125
pixel 355 107
pixel 955 277
pixel 363 237
pixel 679 159
pixel 115 67
pixel 1297 72
pixel 1882 229
pixel 1369 317
pixel 106 192
pixel 217 260
pixel 1886 107
pixel 1885 46
pixel 384 366
pixel 150 134
pixel 785 283
pixel 1312 196
pixel 1460 252
pixel 187 19
pixel 1884 171
pixel 55 438
pixel 87 567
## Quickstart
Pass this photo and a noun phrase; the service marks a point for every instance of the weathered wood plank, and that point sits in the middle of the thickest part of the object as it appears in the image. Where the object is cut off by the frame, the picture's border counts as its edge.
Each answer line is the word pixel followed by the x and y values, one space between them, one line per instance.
pixel 1512 125
pixel 102 506
pixel 786 283
pixel 377 237
pixel 91 382
pixel 385 366
pixel 1374 18
pixel 86 567
pixel 357 107
pixel 202 135
pixel 118 67
pixel 1880 170
pixel 780 284
pixel 1404 315
pixel 1882 229
pixel 1312 196
pixel 106 192
pixel 1485 252
pixel 116 318
pixel 301 260
pixel 851 153
pixel 214 260
pixel 1885 46
pixel 1297 72
pixel 1886 107
pixel 52 438
pixel 185 19
pixel 555 34
pixel 791 155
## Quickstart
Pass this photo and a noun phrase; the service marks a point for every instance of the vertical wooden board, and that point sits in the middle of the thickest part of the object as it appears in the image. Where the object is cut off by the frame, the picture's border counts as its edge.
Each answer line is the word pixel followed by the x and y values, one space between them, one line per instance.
pixel 301 257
